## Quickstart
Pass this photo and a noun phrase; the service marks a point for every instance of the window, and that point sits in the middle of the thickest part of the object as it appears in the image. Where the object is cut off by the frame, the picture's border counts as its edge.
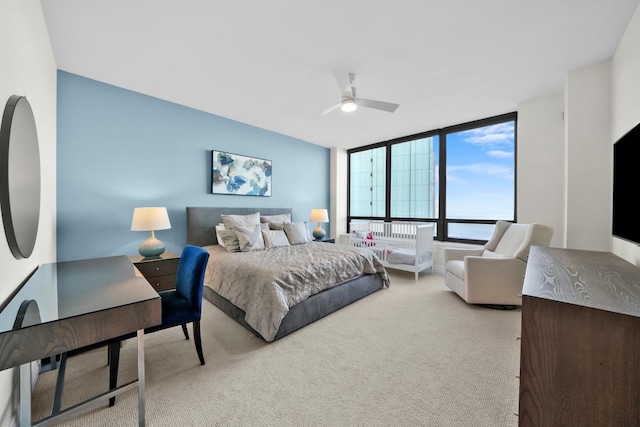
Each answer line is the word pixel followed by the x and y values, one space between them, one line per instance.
pixel 413 178
pixel 368 182
pixel 462 178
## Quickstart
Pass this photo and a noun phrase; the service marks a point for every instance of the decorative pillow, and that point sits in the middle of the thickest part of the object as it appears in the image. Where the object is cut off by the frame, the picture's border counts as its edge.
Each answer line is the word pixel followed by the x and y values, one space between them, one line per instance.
pixel 264 227
pixel 297 232
pixel 231 221
pixel 267 239
pixel 276 219
pixel 275 238
pixel 219 228
pixel 230 239
pixel 275 226
pixel 250 237
pixel 309 232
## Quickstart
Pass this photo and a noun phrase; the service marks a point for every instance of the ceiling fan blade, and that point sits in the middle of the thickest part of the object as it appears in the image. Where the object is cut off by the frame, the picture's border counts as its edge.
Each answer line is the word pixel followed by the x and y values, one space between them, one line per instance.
pixel 345 80
pixel 378 105
pixel 328 110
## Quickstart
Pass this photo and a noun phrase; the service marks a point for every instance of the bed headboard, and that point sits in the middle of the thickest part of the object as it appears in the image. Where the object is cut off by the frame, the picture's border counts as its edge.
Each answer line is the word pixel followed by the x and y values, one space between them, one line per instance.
pixel 202 221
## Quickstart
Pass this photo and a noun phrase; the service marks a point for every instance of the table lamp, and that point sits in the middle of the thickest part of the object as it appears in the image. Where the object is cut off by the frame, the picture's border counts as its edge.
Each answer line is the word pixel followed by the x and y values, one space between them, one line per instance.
pixel 150 219
pixel 319 215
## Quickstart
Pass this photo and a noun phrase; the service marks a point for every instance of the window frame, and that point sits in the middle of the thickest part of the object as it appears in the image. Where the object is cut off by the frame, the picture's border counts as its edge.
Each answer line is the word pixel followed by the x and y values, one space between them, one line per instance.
pixel 441 222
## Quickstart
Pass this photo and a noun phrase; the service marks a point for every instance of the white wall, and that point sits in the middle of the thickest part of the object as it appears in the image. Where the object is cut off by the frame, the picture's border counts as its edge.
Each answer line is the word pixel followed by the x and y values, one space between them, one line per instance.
pixel 541 164
pixel 565 160
pixel 589 157
pixel 28 69
pixel 625 106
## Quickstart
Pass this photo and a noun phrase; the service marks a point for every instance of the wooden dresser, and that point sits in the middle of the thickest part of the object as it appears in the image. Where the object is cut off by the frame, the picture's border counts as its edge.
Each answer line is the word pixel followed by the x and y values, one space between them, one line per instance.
pixel 580 346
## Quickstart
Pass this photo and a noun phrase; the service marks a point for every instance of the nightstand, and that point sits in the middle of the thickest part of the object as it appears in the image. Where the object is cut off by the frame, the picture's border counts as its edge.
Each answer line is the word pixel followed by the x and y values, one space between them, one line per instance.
pixel 160 272
pixel 326 240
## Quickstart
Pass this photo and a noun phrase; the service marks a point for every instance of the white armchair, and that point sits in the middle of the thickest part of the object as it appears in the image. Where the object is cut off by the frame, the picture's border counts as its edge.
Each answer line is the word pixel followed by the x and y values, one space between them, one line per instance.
pixel 494 274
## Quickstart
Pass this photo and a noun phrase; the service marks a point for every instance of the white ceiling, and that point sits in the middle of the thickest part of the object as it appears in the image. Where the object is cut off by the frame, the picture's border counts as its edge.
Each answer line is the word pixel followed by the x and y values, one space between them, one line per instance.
pixel 269 63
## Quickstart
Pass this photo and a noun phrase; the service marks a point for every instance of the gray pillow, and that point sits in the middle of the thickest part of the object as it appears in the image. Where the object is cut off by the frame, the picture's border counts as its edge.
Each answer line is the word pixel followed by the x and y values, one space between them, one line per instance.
pixel 250 237
pixel 276 219
pixel 231 221
pixel 230 239
pixel 297 232
pixel 275 226
pixel 275 238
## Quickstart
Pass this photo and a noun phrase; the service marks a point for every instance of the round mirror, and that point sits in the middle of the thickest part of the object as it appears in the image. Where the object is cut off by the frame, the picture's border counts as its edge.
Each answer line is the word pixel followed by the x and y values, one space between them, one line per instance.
pixel 19 176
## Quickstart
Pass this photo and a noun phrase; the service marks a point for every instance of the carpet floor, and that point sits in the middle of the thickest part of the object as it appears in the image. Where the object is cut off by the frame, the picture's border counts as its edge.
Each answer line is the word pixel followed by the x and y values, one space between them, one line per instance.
pixel 414 354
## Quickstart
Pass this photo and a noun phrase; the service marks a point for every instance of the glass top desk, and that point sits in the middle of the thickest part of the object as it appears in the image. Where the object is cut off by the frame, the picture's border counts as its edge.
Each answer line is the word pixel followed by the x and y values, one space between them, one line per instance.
pixel 68 305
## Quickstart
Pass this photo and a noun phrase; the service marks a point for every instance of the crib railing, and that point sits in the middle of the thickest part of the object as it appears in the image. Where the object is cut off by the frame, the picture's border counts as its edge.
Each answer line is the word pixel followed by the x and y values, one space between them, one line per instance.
pixel 384 237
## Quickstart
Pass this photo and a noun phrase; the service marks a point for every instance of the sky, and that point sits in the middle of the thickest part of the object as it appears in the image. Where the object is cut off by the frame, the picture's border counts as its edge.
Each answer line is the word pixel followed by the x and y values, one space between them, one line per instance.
pixel 480 173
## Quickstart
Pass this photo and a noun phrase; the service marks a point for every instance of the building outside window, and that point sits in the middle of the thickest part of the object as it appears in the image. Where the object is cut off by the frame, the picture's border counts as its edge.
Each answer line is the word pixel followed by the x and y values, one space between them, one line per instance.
pixel 413 178
pixel 368 182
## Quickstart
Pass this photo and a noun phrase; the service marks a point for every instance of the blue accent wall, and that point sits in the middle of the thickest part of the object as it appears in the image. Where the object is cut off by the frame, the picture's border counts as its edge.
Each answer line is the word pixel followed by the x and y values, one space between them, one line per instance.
pixel 118 149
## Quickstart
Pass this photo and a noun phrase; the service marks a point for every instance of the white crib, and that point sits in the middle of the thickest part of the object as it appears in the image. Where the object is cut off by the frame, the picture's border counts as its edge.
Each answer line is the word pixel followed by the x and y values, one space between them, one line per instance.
pixel 405 246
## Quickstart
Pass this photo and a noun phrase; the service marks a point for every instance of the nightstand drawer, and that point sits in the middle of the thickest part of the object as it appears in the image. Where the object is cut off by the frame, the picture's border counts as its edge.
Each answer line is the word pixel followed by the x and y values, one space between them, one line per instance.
pixel 160 272
pixel 162 283
pixel 165 267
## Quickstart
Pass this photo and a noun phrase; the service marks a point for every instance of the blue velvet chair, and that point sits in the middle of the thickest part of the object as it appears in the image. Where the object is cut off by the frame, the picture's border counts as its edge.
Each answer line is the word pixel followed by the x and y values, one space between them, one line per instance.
pixel 179 307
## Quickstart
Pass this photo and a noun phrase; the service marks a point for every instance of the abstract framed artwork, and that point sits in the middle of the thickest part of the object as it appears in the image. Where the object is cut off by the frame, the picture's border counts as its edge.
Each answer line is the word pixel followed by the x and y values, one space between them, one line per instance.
pixel 240 175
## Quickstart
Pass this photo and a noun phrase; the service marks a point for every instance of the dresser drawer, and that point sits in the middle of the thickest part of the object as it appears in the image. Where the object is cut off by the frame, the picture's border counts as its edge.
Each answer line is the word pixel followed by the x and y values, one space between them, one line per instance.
pixel 163 267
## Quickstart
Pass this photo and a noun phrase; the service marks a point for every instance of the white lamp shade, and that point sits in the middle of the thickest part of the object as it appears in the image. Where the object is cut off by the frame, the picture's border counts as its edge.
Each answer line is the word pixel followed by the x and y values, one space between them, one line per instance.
pixel 149 219
pixel 319 215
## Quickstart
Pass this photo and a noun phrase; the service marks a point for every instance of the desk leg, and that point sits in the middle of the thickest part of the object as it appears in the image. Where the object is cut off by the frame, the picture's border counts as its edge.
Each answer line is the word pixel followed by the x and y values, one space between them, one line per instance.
pixel 25 394
pixel 141 409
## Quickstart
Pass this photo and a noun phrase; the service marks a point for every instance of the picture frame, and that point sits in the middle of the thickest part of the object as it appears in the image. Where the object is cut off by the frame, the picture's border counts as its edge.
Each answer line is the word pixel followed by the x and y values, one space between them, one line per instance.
pixel 240 175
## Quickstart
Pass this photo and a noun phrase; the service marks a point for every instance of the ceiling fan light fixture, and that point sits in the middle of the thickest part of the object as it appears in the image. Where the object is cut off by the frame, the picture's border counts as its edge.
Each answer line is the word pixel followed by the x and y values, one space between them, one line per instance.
pixel 348 105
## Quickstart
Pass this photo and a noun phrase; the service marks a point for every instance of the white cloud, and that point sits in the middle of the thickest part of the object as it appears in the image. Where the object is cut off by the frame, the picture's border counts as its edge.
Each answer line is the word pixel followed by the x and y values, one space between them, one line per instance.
pixel 500 154
pixel 488 169
pixel 491 136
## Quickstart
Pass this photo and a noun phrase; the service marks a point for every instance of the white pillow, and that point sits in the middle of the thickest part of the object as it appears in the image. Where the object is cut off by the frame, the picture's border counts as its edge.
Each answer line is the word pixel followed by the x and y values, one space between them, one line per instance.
pixel 219 228
pixel 274 238
pixel 360 234
pixel 297 232
pixel 250 237
pixel 231 221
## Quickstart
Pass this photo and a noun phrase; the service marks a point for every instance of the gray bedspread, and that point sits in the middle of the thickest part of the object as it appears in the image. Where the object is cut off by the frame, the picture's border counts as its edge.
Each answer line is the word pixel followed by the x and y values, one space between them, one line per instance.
pixel 266 283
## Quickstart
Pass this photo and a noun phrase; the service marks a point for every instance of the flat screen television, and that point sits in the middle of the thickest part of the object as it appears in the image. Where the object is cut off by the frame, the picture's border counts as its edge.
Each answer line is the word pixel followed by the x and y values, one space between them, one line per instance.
pixel 626 194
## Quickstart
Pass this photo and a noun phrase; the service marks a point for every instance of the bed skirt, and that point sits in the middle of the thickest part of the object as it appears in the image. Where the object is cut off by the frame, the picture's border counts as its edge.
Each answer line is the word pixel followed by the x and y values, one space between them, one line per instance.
pixel 309 310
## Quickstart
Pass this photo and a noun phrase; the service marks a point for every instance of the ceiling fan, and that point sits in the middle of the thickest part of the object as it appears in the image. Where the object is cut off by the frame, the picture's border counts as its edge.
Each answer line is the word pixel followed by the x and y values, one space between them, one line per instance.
pixel 350 102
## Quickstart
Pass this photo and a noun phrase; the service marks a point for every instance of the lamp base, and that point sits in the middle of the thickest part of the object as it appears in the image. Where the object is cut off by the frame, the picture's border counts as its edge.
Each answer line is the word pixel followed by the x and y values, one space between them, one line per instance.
pixel 151 248
pixel 319 233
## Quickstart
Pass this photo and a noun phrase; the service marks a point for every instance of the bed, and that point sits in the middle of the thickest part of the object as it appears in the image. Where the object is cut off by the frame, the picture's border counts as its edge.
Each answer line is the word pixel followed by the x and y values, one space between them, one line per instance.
pixel 330 281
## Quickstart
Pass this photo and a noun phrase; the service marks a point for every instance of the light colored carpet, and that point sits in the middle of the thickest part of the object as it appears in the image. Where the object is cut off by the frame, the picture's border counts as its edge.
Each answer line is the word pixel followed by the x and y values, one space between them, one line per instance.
pixel 410 355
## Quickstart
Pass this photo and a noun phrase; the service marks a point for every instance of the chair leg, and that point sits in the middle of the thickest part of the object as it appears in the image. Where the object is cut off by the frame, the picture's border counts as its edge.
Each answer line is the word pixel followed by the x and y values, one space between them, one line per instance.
pixel 114 361
pixel 184 329
pixel 57 398
pixel 196 339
